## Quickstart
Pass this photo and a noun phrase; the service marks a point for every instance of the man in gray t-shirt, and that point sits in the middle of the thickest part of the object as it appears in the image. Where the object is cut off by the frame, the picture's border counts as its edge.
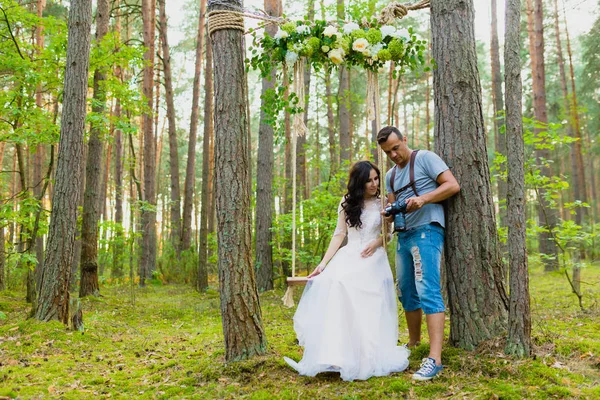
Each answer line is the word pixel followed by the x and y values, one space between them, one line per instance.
pixel 420 246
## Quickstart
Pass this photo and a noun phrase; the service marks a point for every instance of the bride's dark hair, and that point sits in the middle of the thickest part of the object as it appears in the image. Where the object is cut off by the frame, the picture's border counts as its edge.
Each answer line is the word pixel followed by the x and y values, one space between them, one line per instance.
pixel 354 198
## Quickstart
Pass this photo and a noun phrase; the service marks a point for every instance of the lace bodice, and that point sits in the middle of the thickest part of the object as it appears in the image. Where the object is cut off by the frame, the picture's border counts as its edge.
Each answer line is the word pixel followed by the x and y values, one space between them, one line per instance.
pixel 371 224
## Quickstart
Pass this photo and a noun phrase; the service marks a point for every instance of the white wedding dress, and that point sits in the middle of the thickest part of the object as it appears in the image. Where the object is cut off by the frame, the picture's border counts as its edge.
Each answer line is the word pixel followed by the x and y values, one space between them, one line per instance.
pixel 347 318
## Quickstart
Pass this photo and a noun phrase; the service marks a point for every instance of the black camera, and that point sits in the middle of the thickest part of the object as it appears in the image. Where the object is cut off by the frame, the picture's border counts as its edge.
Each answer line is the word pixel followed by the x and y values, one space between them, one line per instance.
pixel 398 210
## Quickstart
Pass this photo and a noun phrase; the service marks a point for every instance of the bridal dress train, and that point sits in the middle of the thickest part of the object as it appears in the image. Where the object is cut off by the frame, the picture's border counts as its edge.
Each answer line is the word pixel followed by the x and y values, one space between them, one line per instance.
pixel 347 318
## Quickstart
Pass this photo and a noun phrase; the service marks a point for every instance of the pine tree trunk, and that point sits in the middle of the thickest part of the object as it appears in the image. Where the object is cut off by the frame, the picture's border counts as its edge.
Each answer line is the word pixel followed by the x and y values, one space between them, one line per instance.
pixel 333 151
pixel 519 313
pixel 344 101
pixel 264 177
pixel 207 201
pixel 173 148
pixel 148 256
pixel 2 258
pixel 476 292
pixel 119 244
pixel 240 309
pixel 190 169
pixel 547 216
pixel 53 300
pixel 93 173
pixel 499 138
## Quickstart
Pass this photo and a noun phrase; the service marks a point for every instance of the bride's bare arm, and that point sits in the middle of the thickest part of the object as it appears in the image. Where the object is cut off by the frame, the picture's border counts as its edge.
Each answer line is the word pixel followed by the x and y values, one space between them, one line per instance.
pixel 336 241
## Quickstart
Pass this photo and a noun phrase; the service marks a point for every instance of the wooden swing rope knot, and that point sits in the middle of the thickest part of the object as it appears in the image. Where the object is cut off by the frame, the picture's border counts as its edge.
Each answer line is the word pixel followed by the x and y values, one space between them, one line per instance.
pixel 232 19
pixel 398 11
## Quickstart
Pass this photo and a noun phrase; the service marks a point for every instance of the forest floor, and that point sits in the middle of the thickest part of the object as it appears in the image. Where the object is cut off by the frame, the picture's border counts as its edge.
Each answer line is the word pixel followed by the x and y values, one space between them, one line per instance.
pixel 169 344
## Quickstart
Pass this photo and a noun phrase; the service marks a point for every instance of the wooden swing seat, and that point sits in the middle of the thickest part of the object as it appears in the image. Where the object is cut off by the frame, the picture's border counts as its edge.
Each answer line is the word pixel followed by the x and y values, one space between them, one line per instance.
pixel 297 280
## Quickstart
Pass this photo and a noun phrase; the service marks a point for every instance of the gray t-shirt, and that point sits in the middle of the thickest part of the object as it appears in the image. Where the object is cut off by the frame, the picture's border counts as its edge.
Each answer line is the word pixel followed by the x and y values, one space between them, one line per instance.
pixel 428 166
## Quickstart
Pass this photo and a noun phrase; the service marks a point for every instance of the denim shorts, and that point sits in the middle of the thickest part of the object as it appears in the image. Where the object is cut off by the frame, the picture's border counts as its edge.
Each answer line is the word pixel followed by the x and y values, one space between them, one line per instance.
pixel 418 259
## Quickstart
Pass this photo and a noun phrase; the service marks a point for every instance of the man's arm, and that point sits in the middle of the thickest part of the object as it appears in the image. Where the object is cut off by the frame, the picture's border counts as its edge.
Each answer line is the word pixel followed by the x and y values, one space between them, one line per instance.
pixel 448 188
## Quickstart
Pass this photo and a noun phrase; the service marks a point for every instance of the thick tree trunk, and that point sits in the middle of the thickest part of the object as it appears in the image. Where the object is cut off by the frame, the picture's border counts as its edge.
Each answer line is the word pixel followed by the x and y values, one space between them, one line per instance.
pixel 499 138
pixel 173 150
pixel 93 173
pixel 148 256
pixel 240 308
pixel 53 300
pixel 547 216
pixel 190 169
pixel 264 177
pixel 207 201
pixel 519 313
pixel 476 292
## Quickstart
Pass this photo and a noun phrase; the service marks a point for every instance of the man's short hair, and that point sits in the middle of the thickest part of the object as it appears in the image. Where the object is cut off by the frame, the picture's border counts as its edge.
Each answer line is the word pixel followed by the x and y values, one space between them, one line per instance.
pixel 385 132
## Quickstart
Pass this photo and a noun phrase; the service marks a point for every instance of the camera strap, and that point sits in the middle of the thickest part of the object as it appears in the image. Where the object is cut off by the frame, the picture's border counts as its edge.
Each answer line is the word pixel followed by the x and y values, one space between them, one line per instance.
pixel 411 173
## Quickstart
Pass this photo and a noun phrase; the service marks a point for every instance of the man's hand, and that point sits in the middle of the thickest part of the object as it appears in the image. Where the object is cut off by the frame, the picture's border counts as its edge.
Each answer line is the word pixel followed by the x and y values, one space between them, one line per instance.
pixel 414 204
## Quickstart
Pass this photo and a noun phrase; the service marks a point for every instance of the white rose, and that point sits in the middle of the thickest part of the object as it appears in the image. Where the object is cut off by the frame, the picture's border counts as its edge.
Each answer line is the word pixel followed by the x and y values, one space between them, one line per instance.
pixel 387 30
pixel 330 31
pixel 291 58
pixel 400 33
pixel 375 48
pixel 336 56
pixel 324 49
pixel 303 29
pixel 360 45
pixel 350 27
pixel 281 34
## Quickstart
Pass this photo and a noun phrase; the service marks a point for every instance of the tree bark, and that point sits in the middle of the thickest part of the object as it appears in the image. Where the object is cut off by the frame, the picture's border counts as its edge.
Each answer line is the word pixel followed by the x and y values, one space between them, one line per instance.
pixel 499 138
pixel 173 148
pixel 119 244
pixel 519 313
pixel 240 309
pixel 207 201
pixel 190 169
pixel 93 172
pixel 148 256
pixel 264 175
pixel 53 300
pixel 547 216
pixel 476 291
pixel 333 151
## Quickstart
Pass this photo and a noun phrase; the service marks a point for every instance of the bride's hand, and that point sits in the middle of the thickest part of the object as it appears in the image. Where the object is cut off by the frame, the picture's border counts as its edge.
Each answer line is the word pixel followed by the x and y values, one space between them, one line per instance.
pixel 317 271
pixel 370 249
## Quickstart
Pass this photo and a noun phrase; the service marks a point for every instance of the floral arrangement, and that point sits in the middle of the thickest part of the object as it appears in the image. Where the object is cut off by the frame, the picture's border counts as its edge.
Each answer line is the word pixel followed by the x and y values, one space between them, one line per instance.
pixel 368 45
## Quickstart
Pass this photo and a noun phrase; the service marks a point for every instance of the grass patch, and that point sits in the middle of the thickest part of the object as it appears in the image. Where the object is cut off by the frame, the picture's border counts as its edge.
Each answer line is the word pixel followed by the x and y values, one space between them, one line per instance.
pixel 167 342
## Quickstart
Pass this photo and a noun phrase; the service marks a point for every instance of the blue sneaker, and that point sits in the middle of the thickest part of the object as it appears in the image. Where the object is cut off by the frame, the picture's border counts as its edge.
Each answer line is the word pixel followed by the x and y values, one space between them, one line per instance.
pixel 428 370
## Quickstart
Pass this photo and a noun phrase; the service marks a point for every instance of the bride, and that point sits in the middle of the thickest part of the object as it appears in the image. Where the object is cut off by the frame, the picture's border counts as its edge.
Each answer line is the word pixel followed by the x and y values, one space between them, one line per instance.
pixel 347 319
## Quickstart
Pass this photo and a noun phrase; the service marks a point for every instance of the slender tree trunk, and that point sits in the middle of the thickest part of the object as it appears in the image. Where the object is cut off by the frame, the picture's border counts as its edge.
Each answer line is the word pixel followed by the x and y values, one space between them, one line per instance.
pixel 2 259
pixel 173 148
pixel 148 256
pixel 207 202
pixel 547 216
pixel 190 169
pixel 519 313
pixel 499 138
pixel 119 244
pixel 53 301
pixel 240 308
pixel 476 292
pixel 333 152
pixel 264 176
pixel 343 98
pixel 578 177
pixel 93 173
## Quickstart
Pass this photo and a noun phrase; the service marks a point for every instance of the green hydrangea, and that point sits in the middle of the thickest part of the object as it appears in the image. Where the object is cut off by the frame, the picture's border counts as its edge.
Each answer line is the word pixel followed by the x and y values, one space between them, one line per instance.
pixel 358 34
pixel 289 27
pixel 374 36
pixel 396 49
pixel 384 55
pixel 314 43
pixel 343 43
